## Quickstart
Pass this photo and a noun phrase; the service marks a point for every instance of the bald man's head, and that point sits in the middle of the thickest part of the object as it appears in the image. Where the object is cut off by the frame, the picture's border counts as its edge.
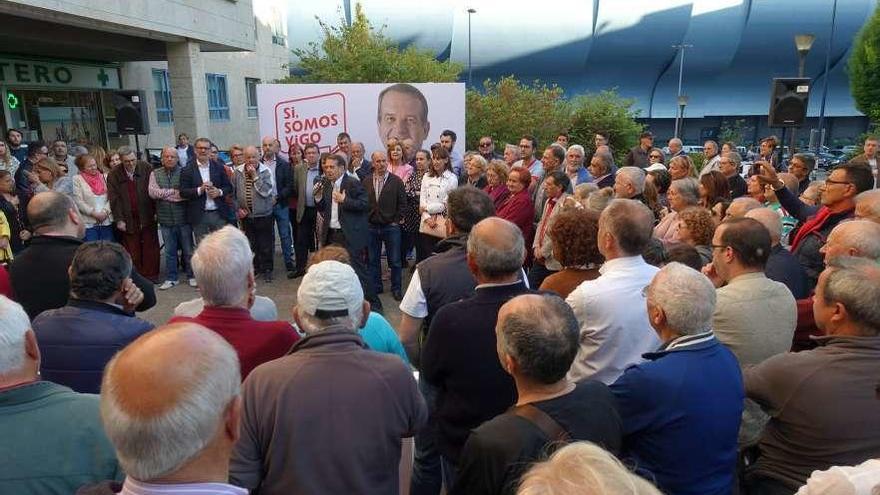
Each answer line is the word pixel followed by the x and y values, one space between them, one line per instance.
pixel 53 212
pixel 770 220
pixel 496 248
pixel 740 206
pixel 858 238
pixel 868 205
pixel 168 396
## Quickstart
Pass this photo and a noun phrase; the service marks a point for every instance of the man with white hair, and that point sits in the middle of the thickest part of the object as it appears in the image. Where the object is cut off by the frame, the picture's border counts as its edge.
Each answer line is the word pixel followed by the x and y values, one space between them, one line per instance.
pixel 52 436
pixel 256 200
pixel 574 165
pixel 823 402
pixel 675 148
pixel 859 238
pixel 359 163
pixel 460 357
pixel 868 205
pixel 781 266
pixel 171 405
pixel 164 188
pixel 223 267
pixel 755 317
pixel 346 409
pixel 629 183
pixel 611 309
pixel 664 402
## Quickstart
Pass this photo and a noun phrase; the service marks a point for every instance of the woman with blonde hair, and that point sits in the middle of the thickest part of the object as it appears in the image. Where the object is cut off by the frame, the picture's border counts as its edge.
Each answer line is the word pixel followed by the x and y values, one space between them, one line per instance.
pixel 583 468
pixel 396 163
pixel 474 171
pixel 7 161
pixel 496 182
pixel 682 166
pixel 48 176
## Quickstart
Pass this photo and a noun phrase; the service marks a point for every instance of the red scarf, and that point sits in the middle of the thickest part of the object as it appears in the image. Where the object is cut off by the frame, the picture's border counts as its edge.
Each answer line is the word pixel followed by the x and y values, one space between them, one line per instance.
pixel 96 182
pixel 811 225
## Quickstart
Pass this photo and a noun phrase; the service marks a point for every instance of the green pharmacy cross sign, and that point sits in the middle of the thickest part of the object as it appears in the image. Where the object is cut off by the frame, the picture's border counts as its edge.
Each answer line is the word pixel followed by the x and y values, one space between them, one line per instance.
pixel 12 101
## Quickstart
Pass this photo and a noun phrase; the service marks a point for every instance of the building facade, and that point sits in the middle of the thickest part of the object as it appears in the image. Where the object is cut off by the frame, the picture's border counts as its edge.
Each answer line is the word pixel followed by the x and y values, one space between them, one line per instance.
pixel 197 61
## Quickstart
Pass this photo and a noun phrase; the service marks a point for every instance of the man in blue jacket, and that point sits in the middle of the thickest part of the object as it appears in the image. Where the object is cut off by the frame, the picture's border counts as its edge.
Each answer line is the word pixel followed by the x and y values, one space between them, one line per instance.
pixel 79 339
pixel 681 408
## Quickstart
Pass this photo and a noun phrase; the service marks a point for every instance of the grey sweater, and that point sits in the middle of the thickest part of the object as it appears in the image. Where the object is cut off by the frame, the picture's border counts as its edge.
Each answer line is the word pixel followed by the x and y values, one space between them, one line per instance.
pixel 327 418
pixel 264 192
pixel 823 406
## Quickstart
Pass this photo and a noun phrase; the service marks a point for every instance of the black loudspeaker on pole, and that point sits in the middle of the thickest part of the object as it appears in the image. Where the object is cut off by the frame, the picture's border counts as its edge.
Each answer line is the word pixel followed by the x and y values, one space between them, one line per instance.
pixel 788 101
pixel 131 112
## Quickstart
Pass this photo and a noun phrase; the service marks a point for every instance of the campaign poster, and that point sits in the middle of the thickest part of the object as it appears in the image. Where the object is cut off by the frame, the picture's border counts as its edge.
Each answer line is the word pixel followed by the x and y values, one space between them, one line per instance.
pixel 369 113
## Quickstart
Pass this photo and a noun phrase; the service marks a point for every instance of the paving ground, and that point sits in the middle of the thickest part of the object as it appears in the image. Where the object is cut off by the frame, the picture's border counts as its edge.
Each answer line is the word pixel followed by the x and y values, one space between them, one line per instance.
pixel 281 290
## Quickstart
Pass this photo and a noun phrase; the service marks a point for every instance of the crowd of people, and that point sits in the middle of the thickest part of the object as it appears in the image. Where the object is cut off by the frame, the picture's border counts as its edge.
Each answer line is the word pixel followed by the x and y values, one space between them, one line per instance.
pixel 570 325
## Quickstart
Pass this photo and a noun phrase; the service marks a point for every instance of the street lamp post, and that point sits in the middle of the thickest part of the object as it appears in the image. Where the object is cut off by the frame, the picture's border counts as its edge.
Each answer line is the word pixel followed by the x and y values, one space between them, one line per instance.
pixel 678 123
pixel 679 127
pixel 803 42
pixel 470 12
pixel 825 82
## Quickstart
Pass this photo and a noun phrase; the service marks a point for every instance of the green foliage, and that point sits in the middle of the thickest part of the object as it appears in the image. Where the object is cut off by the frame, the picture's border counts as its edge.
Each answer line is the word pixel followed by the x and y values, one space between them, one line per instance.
pixel 734 132
pixel 360 54
pixel 864 69
pixel 604 112
pixel 699 160
pixel 507 109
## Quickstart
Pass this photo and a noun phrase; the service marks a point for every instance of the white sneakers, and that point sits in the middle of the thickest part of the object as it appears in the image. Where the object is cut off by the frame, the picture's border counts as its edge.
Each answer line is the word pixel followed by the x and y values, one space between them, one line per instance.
pixel 171 283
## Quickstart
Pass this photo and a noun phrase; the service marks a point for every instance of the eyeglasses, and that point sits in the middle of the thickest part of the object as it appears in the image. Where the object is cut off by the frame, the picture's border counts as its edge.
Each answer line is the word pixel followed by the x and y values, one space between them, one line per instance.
pixel 485 144
pixel 203 147
pixel 656 156
pixel 829 181
pixel 720 246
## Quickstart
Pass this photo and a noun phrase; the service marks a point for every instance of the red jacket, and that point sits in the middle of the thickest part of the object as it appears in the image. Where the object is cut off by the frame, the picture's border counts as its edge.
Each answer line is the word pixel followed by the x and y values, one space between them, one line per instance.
pixel 255 341
pixel 518 208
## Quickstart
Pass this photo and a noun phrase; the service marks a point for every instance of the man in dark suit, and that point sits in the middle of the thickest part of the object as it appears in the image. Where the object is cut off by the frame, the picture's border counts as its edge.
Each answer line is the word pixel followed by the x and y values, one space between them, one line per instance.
pixel 387 199
pixel 458 358
pixel 359 164
pixel 343 205
pixel 283 177
pixel 305 176
pixel 204 183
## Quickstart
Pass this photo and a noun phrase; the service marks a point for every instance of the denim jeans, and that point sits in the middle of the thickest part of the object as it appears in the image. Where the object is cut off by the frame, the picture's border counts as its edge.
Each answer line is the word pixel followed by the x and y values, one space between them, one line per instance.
pixel 282 219
pixel 389 235
pixel 427 473
pixel 177 237
pixel 99 233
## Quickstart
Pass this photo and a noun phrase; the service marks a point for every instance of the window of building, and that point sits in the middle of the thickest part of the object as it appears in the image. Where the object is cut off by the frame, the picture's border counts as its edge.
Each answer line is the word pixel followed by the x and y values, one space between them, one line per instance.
pixel 218 101
pixel 162 92
pixel 277 28
pixel 250 86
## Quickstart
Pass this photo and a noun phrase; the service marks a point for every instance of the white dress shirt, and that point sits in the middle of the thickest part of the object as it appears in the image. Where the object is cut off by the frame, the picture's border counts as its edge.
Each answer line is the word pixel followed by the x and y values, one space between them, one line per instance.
pixel 334 206
pixel 205 172
pixel 613 319
pixel 863 479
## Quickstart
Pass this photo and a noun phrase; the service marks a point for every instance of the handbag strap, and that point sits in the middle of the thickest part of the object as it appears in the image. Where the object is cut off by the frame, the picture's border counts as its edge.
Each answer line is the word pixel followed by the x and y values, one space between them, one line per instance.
pixel 548 426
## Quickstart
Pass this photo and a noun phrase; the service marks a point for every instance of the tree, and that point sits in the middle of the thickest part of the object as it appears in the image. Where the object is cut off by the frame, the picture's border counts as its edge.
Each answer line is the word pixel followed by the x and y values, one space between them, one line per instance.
pixel 605 112
pixel 733 131
pixel 864 69
pixel 506 109
pixel 357 53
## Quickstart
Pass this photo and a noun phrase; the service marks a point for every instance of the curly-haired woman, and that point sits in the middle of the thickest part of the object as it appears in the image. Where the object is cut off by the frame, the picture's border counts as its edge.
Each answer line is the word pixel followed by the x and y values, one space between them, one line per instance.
pixel 696 228
pixel 574 234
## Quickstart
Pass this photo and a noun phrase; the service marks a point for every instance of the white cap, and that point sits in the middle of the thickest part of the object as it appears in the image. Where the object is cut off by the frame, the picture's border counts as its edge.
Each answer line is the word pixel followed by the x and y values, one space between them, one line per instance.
pixel 655 166
pixel 330 289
